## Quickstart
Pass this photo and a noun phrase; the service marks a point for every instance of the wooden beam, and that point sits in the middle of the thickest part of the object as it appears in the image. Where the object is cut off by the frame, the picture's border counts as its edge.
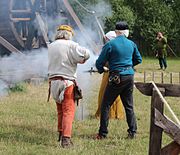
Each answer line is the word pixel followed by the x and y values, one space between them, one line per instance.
pixel 169 127
pixel 172 90
pixel 20 19
pixel 155 131
pixel 171 78
pixel 8 46
pixel 81 27
pixel 153 76
pixel 171 149
pixel 165 103
pixel 43 28
pixel 21 11
pixel 162 77
pixel 144 76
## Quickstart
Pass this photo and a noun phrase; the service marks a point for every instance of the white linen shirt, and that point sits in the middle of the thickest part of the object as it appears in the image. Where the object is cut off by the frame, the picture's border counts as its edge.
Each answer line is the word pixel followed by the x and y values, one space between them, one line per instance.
pixel 63 56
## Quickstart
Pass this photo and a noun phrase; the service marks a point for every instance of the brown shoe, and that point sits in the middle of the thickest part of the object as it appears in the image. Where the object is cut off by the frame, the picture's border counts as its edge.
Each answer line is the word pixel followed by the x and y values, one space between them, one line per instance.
pixel 66 142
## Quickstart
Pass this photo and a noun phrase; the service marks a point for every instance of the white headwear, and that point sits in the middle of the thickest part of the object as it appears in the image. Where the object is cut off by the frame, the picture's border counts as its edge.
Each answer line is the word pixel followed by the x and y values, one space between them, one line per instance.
pixel 111 35
pixel 125 32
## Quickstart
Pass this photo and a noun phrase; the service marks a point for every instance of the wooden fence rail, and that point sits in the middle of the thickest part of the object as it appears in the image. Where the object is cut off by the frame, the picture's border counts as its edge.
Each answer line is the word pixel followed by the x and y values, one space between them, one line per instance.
pixel 160 77
pixel 159 122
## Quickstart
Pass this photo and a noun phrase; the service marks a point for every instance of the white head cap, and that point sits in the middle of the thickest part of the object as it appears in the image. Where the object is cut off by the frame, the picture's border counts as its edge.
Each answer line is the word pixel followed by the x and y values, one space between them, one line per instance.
pixel 125 32
pixel 111 35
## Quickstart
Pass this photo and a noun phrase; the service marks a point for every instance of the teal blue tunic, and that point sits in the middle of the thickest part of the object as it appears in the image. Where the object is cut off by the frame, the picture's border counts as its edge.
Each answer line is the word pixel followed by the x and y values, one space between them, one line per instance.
pixel 121 54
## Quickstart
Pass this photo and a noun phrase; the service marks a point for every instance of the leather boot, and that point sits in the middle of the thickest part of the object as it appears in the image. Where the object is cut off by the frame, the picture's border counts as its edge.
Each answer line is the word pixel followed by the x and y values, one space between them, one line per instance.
pixel 66 142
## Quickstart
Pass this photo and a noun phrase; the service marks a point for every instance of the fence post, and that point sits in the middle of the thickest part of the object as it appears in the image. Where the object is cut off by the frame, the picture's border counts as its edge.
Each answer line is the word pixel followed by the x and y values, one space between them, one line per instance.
pixel 153 79
pixel 162 77
pixel 144 76
pixel 171 80
pixel 155 131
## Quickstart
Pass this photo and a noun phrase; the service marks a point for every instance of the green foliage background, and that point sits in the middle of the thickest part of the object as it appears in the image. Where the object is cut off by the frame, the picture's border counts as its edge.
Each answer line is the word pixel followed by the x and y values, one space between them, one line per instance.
pixel 145 19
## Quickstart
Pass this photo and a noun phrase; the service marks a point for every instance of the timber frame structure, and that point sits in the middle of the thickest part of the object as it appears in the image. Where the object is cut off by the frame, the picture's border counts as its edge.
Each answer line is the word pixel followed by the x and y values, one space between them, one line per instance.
pixel 24 24
pixel 159 122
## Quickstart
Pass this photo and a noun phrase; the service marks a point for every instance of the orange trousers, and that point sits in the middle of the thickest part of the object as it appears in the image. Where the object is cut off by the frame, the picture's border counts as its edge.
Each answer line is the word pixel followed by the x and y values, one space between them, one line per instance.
pixel 66 112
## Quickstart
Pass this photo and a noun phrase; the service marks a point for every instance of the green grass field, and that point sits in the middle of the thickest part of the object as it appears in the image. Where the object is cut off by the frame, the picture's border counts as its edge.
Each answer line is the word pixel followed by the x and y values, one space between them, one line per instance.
pixel 28 124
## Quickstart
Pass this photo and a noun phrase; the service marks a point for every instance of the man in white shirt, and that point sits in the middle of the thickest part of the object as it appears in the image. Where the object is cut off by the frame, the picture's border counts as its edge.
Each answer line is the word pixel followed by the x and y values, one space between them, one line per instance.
pixel 64 55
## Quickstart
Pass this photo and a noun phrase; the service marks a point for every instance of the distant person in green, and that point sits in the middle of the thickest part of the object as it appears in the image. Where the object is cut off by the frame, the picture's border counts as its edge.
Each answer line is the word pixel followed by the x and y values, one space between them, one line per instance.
pixel 161 50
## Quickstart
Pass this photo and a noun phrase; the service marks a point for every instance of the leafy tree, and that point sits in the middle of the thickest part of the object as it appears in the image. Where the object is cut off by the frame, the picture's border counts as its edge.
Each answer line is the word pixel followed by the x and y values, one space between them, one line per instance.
pixel 145 18
pixel 175 35
pixel 120 12
pixel 152 16
pixel 176 22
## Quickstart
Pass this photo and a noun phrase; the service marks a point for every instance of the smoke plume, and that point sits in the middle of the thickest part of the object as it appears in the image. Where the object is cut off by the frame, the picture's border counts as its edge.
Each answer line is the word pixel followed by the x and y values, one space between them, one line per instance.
pixel 19 67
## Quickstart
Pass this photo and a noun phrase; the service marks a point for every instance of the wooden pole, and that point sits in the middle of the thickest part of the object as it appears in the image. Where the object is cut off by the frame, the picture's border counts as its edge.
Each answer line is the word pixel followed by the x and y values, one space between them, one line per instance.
pixel 165 102
pixel 162 77
pixel 9 46
pixel 155 131
pixel 171 50
pixel 144 76
pixel 91 42
pixel 171 78
pixel 43 28
pixel 153 76
pixel 157 102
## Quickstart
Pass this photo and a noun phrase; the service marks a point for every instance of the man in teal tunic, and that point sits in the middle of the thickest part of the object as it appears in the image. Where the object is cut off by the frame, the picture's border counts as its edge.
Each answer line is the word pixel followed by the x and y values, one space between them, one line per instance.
pixel 161 50
pixel 122 55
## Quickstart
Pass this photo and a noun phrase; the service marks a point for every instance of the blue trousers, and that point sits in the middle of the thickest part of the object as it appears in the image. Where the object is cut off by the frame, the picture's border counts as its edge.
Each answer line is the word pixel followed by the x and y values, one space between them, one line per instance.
pixel 163 63
pixel 125 90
